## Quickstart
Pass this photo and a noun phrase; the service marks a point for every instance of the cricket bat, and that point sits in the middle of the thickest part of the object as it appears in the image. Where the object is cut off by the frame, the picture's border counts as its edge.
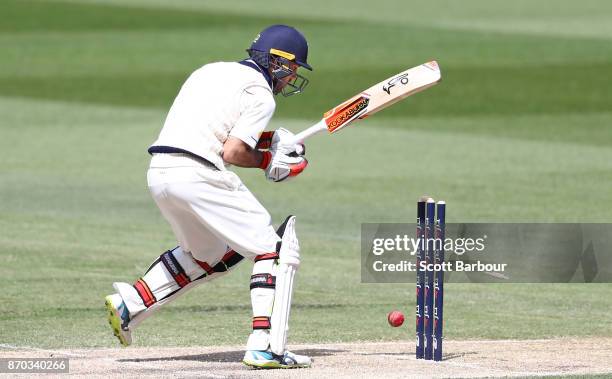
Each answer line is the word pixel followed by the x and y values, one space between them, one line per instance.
pixel 375 98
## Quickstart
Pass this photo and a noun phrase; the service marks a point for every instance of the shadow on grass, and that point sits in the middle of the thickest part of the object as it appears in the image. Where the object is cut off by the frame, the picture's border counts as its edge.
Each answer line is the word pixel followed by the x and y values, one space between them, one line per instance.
pixel 229 356
pixel 445 357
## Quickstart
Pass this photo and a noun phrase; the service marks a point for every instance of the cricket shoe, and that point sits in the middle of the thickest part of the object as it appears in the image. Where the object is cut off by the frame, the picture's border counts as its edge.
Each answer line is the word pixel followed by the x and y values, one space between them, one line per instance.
pixel 267 359
pixel 118 318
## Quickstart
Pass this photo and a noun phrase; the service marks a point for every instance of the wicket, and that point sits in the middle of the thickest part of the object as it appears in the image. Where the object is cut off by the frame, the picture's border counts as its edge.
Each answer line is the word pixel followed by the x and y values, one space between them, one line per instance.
pixel 430 284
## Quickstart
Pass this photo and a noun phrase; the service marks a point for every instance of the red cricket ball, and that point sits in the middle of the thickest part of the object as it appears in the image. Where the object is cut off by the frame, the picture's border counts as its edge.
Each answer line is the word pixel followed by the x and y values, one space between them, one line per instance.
pixel 395 318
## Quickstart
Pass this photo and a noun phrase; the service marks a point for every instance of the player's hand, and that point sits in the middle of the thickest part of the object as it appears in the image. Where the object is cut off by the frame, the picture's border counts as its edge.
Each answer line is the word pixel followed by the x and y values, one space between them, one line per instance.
pixel 280 140
pixel 279 166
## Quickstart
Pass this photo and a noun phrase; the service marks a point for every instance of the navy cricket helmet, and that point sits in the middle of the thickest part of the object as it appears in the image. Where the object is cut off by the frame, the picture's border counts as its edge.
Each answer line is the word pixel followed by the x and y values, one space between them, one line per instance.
pixel 283 41
pixel 281 49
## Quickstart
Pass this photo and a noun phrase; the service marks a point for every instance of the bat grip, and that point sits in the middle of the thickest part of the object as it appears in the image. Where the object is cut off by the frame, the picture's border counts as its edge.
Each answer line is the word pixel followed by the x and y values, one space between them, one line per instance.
pixel 316 128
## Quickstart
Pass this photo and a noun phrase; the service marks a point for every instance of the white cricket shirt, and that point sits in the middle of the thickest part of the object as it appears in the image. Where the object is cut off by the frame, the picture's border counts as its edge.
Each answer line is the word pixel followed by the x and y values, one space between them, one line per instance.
pixel 218 100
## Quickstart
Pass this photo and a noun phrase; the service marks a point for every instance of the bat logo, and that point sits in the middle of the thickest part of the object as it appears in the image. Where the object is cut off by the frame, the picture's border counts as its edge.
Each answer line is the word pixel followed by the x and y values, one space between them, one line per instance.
pixel 402 79
pixel 336 119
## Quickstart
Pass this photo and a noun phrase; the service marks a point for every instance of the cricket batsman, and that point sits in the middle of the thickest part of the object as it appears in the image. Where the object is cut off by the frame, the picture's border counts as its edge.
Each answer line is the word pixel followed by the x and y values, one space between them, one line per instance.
pixel 217 120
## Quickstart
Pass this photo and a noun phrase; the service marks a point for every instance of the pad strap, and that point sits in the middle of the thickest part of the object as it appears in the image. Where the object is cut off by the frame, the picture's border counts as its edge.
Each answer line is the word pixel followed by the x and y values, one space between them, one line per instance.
pixel 145 292
pixel 261 322
pixel 263 281
pixel 267 256
pixel 175 269
pixel 231 258
pixel 182 279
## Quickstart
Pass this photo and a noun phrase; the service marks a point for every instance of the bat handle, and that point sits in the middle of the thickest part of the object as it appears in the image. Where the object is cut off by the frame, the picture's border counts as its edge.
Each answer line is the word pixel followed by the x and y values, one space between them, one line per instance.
pixel 316 128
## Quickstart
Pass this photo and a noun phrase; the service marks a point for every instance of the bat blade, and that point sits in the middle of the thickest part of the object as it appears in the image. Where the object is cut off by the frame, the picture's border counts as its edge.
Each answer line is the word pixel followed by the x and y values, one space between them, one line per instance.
pixel 382 95
pixel 376 98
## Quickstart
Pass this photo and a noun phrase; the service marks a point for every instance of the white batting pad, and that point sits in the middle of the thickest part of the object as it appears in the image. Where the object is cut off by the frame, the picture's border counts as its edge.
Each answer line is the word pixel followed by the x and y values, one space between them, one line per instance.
pixel 289 262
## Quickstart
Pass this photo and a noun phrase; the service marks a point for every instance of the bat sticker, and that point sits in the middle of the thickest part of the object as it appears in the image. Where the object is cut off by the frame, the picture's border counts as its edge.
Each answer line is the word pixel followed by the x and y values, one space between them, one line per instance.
pixel 336 118
pixel 403 79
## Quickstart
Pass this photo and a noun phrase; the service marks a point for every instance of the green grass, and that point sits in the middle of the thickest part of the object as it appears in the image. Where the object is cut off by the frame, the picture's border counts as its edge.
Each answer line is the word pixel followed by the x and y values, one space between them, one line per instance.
pixel 519 130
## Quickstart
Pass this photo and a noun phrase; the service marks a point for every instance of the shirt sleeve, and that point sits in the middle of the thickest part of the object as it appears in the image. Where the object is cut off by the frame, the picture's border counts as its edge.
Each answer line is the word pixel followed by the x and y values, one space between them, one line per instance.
pixel 256 109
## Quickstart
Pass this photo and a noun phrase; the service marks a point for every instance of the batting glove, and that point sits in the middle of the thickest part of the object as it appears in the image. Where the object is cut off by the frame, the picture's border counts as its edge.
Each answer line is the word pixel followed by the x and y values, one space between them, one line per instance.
pixel 279 166
pixel 280 140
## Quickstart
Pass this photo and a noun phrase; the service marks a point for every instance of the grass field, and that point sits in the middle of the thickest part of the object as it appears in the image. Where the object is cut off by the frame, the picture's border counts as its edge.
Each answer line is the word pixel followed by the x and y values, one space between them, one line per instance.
pixel 519 130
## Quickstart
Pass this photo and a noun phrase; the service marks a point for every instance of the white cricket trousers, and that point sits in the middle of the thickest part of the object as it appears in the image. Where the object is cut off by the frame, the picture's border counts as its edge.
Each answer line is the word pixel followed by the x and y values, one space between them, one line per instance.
pixel 210 211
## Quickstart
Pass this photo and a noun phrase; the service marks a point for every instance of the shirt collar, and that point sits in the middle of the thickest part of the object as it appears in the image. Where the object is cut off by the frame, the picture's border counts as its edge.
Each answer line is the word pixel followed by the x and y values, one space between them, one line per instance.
pixel 255 66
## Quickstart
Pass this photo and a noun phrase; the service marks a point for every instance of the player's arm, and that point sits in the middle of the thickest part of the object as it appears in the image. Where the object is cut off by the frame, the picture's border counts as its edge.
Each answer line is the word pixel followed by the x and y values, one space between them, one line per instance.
pixel 237 152
pixel 256 106
pixel 242 147
pixel 277 164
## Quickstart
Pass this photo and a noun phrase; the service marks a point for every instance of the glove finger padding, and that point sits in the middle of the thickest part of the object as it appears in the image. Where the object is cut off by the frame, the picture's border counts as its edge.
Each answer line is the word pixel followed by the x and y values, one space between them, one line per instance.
pixel 284 167
pixel 281 137
pixel 299 150
pixel 284 141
